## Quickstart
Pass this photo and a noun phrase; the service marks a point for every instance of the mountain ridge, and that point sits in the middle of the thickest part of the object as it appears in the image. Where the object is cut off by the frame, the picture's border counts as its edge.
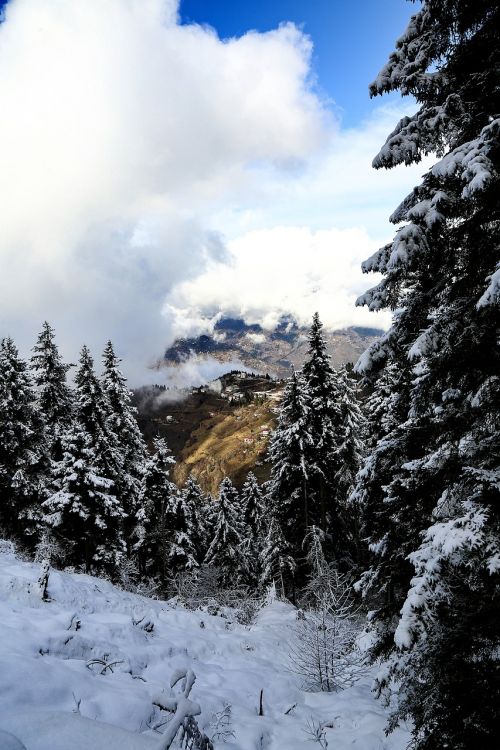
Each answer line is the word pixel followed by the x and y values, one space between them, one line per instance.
pixel 274 351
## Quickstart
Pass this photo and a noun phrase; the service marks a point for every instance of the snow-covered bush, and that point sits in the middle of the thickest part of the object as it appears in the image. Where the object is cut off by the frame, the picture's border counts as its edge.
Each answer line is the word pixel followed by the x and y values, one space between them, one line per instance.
pixel 200 589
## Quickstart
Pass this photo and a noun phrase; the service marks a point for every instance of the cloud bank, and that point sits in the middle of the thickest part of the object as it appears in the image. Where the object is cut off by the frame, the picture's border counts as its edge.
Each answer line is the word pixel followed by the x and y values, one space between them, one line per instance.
pixel 271 272
pixel 152 173
pixel 121 130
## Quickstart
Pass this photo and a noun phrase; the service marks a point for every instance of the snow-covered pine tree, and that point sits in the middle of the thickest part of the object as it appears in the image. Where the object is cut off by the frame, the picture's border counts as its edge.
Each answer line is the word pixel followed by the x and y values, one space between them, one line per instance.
pixel 121 423
pixel 81 507
pixel 23 446
pixel 350 440
pixel 252 502
pixel 277 565
pixel 227 551
pixel 436 478
pixel 91 411
pixel 181 547
pixel 157 496
pixel 381 410
pixel 387 410
pixel 54 396
pixel 195 502
pixel 350 432
pixel 323 417
pixel 253 510
pixel 290 449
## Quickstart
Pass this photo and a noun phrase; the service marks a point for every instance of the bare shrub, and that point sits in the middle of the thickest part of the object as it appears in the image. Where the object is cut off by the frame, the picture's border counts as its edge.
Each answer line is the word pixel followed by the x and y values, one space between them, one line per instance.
pixel 323 651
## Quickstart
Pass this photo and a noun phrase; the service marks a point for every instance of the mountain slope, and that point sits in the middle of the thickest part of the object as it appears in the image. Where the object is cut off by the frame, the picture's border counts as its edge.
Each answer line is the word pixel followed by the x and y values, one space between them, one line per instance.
pixel 273 352
pixel 217 430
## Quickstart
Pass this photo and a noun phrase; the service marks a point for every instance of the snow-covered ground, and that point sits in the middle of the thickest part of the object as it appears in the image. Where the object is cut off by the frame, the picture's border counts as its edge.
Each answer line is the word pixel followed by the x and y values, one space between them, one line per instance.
pixel 51 700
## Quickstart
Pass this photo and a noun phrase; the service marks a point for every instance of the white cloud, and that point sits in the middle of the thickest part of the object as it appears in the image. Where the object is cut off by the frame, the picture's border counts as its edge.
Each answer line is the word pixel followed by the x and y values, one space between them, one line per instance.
pixel 298 245
pixel 120 131
pixel 153 174
pixel 271 272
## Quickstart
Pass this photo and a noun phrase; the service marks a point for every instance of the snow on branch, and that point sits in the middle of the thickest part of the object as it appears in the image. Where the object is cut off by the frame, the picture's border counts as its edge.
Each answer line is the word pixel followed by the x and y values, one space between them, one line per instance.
pixel 184 711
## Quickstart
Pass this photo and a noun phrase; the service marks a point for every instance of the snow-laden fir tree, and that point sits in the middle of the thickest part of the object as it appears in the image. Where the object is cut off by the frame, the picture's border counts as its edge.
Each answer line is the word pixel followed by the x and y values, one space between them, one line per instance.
pixel 158 495
pixel 432 486
pixel 54 396
pixel 290 451
pixel 121 423
pixel 92 413
pixel 350 447
pixel 381 410
pixel 276 563
pixel 195 503
pixel 252 503
pixel 323 417
pixel 227 551
pixel 23 446
pixel 181 547
pixel 81 507
pixel 387 410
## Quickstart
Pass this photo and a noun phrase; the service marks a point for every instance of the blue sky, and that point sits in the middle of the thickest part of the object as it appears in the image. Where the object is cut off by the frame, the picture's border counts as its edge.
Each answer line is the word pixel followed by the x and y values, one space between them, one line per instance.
pixel 352 39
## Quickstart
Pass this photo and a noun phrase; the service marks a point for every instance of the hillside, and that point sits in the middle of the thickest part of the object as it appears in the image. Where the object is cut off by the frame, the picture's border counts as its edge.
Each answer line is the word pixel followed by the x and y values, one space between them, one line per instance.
pixel 221 429
pixel 273 352
pixel 53 698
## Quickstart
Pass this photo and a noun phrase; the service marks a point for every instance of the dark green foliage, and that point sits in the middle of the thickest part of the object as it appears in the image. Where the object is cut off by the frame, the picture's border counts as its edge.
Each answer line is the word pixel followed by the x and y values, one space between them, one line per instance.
pixel 23 447
pixel 431 486
pixel 54 396
pixel 227 551
pixel 81 506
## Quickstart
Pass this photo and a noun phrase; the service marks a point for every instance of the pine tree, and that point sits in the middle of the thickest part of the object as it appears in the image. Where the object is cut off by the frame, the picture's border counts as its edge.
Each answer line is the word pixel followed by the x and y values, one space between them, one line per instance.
pixel 195 503
pixel 290 449
pixel 387 409
pixel 23 446
pixel 350 434
pixel 157 497
pixel 323 417
pixel 350 437
pixel 252 502
pixel 82 508
pixel 382 413
pixel 227 550
pixel 276 561
pixel 121 424
pixel 92 412
pixel 54 396
pixel 253 510
pixel 181 546
pixel 432 482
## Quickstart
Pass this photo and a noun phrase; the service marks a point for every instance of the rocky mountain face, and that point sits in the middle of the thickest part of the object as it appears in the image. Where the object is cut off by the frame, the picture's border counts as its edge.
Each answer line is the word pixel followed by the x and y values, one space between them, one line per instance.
pixel 221 429
pixel 274 352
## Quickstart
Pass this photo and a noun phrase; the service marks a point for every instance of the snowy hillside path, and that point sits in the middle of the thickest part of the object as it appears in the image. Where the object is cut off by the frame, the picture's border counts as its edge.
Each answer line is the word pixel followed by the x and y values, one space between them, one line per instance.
pixel 45 648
